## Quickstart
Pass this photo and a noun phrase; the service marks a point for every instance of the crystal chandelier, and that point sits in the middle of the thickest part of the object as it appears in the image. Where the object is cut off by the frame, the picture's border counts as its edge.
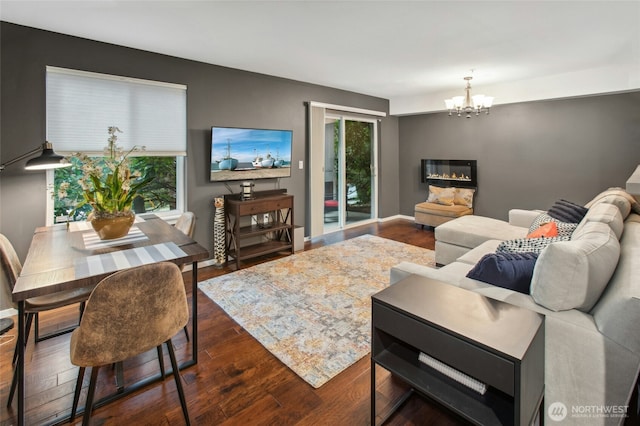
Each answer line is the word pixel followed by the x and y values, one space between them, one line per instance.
pixel 467 104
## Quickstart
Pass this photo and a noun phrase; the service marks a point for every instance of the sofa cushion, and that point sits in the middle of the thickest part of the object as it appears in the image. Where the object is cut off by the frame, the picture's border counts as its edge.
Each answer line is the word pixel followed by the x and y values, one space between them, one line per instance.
pixel 474 255
pixel 605 213
pixel 617 313
pixel 442 210
pixel 618 197
pixel 566 211
pixel 440 195
pixel 507 270
pixel 573 274
pixel 471 231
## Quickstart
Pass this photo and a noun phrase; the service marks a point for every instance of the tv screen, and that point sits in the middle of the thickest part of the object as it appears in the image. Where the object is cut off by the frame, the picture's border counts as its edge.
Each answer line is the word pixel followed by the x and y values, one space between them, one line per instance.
pixel 246 154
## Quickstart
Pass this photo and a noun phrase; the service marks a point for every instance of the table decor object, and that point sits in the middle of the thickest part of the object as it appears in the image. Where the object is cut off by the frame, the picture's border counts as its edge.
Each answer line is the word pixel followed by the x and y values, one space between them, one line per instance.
pixel 109 186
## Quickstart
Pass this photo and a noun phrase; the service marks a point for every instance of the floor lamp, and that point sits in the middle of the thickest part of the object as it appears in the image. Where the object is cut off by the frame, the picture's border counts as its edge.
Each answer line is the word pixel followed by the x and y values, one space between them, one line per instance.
pixel 47 159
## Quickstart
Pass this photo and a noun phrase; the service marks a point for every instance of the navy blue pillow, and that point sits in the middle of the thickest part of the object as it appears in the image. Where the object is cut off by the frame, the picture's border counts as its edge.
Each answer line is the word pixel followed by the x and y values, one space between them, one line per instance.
pixel 566 211
pixel 508 270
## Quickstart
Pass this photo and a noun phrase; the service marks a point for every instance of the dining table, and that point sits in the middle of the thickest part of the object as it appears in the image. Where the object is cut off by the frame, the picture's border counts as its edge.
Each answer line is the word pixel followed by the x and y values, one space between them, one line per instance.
pixel 70 255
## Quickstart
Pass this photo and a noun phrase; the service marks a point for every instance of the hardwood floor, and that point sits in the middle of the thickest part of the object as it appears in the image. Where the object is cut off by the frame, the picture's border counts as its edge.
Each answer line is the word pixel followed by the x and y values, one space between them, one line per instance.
pixel 236 380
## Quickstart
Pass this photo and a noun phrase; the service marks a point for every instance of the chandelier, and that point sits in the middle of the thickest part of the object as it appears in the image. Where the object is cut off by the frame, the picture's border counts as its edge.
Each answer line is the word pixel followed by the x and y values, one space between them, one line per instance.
pixel 467 104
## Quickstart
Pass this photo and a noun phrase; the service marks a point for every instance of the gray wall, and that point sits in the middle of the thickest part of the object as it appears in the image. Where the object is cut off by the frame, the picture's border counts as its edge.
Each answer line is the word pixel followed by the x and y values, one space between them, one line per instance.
pixel 216 96
pixel 529 154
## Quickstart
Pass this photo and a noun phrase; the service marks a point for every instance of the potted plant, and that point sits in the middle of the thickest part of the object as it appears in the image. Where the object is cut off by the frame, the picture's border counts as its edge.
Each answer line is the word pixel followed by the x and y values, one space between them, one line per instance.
pixel 109 187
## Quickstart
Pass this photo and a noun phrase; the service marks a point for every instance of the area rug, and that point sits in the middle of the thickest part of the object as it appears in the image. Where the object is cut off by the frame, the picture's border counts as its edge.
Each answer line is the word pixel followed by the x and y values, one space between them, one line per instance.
pixel 312 310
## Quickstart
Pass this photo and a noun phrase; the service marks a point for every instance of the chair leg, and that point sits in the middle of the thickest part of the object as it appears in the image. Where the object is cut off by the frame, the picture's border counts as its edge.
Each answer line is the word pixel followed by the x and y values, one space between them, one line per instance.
pixel 161 360
pixel 88 407
pixel 119 376
pixel 14 384
pixel 76 394
pixel 186 332
pixel 176 376
pixel 14 381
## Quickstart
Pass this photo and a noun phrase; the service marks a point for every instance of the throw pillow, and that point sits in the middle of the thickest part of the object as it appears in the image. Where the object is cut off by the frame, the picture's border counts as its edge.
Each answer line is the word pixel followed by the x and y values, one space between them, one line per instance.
pixel 566 211
pixel 565 229
pixel 506 270
pixel 440 195
pixel 464 197
pixel 527 245
pixel 547 230
pixel 618 197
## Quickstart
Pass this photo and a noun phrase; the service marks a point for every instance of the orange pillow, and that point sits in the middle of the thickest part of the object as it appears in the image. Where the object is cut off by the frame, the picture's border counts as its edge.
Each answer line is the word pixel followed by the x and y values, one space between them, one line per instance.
pixel 549 229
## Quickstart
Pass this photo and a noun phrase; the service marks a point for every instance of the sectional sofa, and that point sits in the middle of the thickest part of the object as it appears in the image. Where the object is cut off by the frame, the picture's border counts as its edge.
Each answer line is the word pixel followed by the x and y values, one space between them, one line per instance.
pixel 587 285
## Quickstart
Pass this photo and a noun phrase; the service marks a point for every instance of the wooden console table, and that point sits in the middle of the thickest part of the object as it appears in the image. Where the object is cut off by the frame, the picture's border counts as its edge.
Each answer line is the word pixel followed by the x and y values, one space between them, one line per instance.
pixel 497 343
pixel 276 232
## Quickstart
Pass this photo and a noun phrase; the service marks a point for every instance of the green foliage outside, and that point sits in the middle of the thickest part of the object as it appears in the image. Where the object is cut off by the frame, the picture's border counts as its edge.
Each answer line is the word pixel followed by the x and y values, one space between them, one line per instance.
pixel 358 157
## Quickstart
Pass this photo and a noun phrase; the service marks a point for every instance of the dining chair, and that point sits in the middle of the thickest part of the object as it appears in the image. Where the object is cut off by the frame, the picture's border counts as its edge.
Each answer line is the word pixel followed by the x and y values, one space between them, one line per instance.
pixel 186 223
pixel 147 305
pixel 32 307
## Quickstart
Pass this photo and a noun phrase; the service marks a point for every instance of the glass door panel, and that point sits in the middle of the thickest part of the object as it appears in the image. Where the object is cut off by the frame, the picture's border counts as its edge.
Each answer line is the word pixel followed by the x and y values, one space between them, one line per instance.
pixel 358 181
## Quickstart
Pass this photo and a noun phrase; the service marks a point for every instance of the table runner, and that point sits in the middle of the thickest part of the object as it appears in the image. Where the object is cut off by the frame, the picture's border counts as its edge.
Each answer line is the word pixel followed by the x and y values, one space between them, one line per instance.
pixel 123 259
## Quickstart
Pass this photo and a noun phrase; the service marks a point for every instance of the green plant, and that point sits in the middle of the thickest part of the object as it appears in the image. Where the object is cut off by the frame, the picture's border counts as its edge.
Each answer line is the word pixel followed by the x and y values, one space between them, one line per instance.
pixel 108 184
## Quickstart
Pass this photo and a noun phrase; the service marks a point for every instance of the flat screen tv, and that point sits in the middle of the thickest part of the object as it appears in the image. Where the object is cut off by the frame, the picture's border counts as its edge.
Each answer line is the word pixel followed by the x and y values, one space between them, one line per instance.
pixel 246 154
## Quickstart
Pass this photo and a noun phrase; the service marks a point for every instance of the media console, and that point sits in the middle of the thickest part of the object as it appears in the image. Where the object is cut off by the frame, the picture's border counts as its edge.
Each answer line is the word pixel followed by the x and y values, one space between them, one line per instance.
pixel 274 234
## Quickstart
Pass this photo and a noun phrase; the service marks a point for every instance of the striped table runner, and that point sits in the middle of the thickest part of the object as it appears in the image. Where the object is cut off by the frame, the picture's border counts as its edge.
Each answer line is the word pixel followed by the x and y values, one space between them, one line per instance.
pixel 92 241
pixel 123 259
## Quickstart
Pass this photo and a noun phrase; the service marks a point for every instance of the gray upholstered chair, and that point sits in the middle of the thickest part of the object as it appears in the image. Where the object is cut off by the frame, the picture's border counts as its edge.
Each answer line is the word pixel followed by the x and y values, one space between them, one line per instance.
pixel 12 267
pixel 146 306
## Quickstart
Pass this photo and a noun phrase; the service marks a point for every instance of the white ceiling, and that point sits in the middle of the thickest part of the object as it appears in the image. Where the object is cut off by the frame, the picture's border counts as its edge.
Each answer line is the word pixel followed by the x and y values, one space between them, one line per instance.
pixel 414 53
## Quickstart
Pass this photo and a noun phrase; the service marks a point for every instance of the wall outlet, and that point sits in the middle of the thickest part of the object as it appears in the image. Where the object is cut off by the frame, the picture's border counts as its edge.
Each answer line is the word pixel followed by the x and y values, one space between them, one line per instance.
pixel 300 164
pixel 265 218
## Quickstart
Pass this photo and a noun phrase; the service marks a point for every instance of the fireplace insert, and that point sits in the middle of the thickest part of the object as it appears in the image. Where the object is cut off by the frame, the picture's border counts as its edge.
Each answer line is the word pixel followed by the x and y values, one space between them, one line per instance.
pixel 462 173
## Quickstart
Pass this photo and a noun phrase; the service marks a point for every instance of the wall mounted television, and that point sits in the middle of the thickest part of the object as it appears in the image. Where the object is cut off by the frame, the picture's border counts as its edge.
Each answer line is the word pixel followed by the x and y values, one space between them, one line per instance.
pixel 247 154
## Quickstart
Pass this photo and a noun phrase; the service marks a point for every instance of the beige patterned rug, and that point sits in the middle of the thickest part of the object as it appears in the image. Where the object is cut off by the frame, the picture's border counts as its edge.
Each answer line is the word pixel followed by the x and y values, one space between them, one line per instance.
pixel 312 310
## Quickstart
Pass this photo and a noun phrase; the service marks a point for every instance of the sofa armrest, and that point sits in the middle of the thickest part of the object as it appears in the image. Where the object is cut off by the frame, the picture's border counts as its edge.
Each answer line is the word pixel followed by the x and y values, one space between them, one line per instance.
pixel 523 218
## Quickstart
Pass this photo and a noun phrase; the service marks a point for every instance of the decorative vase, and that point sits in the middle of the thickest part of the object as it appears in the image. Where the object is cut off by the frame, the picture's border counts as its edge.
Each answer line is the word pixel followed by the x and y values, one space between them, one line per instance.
pixel 113 226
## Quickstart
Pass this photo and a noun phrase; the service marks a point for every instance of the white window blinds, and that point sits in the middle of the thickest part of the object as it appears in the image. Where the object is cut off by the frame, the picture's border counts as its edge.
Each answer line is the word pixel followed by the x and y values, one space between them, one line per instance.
pixel 82 105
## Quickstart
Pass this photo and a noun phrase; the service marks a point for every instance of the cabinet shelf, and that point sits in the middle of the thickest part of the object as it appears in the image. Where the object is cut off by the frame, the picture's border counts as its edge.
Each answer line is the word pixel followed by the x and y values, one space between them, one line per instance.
pixel 494 407
pixel 277 236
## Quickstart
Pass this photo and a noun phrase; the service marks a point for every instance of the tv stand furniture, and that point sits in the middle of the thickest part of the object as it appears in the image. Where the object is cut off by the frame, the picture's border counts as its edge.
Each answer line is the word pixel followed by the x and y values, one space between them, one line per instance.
pixel 497 343
pixel 277 232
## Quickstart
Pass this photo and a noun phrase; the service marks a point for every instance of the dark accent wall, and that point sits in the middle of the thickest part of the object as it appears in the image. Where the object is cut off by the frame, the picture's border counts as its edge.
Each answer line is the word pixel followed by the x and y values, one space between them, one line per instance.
pixel 529 154
pixel 216 96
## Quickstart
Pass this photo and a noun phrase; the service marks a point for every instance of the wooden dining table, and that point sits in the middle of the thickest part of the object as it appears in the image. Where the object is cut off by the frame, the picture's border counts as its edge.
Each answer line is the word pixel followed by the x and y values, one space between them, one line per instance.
pixel 65 257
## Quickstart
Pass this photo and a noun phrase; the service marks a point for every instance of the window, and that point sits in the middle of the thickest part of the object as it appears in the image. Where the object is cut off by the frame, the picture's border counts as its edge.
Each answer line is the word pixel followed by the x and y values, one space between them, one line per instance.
pixel 80 108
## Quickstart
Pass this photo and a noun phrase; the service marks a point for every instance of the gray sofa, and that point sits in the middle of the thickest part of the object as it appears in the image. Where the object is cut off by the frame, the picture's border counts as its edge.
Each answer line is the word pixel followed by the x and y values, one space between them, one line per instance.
pixel 588 288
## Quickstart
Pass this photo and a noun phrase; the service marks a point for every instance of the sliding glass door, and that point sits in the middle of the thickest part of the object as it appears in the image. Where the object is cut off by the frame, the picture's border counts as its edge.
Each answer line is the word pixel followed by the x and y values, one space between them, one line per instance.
pixel 349 171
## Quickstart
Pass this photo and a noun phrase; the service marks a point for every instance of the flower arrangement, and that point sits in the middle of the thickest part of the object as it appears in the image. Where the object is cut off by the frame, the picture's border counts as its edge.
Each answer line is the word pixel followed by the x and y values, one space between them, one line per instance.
pixel 108 185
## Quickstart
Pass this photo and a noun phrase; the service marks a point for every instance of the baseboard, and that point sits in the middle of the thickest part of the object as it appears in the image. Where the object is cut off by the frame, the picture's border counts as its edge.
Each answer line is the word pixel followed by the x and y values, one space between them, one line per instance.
pixel 398 216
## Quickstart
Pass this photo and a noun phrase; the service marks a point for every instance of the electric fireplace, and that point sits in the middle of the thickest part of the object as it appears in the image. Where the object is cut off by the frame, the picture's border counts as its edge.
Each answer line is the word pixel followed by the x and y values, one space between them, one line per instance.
pixel 462 173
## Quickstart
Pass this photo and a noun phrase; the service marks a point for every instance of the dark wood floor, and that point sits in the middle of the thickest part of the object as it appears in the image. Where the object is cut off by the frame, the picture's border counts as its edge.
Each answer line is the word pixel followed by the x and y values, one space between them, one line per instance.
pixel 236 380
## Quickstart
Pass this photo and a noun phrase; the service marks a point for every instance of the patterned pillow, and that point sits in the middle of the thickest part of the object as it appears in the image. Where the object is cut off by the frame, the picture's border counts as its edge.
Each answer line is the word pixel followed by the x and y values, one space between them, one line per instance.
pixel 566 211
pixel 564 229
pixel 440 195
pixel 527 245
pixel 464 197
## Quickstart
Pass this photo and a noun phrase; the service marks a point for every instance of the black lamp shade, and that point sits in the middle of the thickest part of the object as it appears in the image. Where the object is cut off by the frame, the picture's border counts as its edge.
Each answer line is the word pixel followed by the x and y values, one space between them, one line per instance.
pixel 47 160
